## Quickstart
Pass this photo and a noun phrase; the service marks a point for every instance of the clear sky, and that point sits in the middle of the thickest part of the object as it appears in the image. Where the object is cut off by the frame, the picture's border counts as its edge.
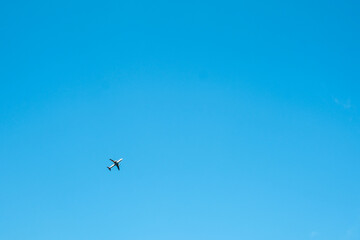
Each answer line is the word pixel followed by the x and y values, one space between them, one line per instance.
pixel 235 119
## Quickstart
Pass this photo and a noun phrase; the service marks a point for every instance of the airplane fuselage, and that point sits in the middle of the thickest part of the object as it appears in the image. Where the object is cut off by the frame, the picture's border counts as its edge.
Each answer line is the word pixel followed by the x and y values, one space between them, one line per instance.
pixel 115 163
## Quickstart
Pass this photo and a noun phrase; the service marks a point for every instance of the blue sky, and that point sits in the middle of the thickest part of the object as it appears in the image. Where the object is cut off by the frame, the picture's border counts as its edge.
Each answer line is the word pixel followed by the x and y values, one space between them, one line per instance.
pixel 235 119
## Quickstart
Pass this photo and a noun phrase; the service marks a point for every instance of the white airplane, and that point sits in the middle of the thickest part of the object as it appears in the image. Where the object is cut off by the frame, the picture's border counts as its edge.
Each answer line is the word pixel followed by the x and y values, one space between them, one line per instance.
pixel 116 163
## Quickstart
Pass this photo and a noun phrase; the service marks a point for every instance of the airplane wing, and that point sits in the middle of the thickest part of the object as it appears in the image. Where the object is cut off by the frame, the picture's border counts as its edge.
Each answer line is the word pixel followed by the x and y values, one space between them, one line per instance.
pixel 112 160
pixel 118 167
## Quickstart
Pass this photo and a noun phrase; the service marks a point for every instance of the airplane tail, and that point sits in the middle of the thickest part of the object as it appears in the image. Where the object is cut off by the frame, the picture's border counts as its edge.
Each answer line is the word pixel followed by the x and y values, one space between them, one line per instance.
pixel 109 168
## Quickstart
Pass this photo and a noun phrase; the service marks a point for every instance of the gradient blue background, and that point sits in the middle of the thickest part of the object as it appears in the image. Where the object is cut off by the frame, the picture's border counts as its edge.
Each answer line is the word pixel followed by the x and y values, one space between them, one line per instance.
pixel 235 119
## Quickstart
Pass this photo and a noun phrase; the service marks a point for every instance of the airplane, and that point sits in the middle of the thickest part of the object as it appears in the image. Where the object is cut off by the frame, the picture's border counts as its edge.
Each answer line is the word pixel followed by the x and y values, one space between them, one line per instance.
pixel 116 163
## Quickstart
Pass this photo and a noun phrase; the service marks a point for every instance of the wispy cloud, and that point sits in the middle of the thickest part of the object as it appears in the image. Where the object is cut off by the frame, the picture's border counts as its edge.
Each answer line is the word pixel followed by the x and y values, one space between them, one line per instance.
pixel 352 233
pixel 314 234
pixel 345 104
